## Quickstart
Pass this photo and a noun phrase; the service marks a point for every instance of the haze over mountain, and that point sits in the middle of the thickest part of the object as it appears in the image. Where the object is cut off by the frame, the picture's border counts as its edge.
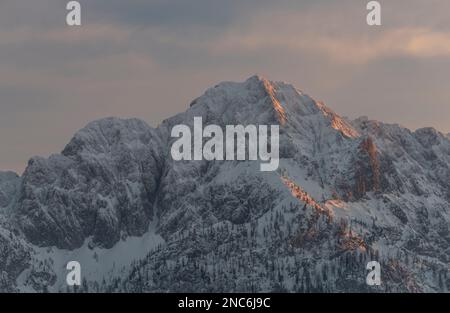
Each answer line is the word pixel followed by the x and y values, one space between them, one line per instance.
pixel 346 192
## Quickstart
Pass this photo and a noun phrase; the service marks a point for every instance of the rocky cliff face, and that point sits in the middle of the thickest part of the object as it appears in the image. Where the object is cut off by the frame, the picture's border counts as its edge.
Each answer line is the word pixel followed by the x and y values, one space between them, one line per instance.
pixel 9 186
pixel 346 192
pixel 102 185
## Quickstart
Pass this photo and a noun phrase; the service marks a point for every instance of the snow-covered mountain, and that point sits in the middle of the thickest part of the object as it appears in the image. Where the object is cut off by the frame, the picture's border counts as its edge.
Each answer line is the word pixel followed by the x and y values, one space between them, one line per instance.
pixel 102 184
pixel 346 193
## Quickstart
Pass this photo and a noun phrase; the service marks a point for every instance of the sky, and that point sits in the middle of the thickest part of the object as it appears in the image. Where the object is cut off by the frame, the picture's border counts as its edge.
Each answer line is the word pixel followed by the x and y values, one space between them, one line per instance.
pixel 150 58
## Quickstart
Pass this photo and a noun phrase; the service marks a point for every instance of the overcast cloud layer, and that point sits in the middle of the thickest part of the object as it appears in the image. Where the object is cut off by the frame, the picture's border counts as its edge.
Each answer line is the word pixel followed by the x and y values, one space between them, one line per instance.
pixel 150 58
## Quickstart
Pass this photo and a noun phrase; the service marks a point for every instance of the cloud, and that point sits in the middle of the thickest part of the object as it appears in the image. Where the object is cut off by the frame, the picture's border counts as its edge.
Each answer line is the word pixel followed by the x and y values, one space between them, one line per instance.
pixel 150 58
pixel 427 43
pixel 294 33
pixel 408 42
pixel 89 34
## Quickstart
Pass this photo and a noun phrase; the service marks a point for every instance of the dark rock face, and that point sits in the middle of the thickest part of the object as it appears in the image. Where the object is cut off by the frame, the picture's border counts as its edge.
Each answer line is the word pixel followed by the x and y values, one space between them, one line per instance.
pixel 367 176
pixel 9 186
pixel 240 203
pixel 102 184
pixel 41 276
pixel 14 258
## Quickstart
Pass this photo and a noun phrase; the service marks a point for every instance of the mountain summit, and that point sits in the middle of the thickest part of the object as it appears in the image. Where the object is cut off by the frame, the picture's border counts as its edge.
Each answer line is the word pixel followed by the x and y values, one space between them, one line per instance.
pixel 346 193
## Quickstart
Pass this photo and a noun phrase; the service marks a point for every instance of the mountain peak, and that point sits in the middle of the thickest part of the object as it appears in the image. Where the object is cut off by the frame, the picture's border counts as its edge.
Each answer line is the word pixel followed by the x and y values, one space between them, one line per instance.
pixel 287 100
pixel 255 100
pixel 100 135
pixel 258 100
pixel 256 78
pixel 115 122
